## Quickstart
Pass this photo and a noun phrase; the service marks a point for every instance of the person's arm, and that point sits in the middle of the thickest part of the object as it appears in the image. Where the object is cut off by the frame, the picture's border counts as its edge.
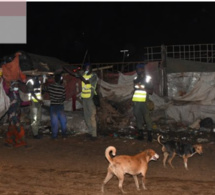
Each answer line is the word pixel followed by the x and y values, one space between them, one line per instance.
pixel 33 94
pixel 93 80
pixel 76 74
pixel 64 95
pixel 149 87
pixel 138 83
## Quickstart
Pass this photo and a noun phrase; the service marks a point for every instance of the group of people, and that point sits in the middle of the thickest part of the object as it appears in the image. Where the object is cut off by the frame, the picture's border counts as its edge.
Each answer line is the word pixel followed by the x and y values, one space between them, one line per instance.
pixel 16 135
pixel 142 88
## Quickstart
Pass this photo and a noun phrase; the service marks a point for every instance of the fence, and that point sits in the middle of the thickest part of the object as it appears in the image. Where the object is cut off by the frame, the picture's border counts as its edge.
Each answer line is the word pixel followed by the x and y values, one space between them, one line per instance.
pixel 197 52
pixel 114 67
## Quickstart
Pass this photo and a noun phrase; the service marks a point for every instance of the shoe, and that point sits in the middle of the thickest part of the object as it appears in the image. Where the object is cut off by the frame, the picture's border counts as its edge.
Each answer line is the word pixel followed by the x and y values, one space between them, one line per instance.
pixel 64 137
pixel 8 145
pixel 87 135
pixel 140 135
pixel 37 136
pixel 93 138
pixel 149 136
pixel 54 138
pixel 28 146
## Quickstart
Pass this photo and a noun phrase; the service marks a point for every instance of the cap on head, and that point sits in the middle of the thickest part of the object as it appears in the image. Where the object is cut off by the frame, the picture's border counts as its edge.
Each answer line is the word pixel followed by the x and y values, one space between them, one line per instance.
pixel 141 65
pixel 87 67
pixel 87 64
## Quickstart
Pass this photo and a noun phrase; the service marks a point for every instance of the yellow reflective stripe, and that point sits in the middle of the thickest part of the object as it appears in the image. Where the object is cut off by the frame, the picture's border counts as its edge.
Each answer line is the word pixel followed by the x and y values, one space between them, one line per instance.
pixel 86 88
pixel 140 92
pixel 139 96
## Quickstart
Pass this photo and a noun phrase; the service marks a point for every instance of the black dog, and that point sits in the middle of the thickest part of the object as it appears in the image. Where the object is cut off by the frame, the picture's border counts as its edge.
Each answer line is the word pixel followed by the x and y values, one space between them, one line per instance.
pixel 184 150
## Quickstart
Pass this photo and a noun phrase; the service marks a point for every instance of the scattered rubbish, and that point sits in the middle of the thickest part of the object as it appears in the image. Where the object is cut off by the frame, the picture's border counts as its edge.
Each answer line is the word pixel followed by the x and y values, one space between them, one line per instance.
pixel 196 124
pixel 207 123
pixel 202 140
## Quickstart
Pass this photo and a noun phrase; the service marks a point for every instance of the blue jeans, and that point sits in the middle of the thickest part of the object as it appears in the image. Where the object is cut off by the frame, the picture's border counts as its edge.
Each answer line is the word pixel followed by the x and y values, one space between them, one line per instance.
pixel 57 114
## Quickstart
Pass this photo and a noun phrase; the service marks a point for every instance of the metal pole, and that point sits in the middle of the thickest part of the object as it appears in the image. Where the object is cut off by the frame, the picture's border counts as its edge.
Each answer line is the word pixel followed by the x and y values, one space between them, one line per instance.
pixel 124 51
pixel 165 88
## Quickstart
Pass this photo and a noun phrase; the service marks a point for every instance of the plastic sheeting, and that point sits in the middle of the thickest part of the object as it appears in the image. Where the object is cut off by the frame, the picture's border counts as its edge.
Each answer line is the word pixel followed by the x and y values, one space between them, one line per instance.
pixel 123 90
pixel 190 112
pixel 202 92
pixel 192 96
pixel 4 100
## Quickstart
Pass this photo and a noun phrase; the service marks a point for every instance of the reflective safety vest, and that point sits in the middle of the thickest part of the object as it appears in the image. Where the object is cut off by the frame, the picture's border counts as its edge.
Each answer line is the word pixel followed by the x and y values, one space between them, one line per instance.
pixel 86 88
pixel 140 94
pixel 37 92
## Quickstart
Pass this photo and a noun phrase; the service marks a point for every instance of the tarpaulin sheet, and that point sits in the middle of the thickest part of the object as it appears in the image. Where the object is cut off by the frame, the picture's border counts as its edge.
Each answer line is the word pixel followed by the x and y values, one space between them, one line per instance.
pixel 192 96
pixel 124 88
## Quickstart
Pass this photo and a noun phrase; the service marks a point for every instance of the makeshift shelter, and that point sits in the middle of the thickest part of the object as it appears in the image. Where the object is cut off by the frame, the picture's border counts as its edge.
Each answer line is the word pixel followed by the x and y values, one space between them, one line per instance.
pixel 191 88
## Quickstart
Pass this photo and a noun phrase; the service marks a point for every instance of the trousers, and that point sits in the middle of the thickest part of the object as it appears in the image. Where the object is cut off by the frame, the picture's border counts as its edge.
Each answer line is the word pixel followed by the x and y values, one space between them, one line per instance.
pixel 141 113
pixel 90 115
pixel 57 115
pixel 35 112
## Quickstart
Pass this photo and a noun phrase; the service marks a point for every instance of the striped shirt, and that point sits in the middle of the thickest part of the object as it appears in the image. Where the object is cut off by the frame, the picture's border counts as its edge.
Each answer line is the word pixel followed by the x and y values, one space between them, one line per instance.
pixel 56 92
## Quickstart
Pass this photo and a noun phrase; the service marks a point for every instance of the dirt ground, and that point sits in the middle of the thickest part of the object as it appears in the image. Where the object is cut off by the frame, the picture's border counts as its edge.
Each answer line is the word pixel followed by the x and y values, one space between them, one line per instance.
pixel 78 166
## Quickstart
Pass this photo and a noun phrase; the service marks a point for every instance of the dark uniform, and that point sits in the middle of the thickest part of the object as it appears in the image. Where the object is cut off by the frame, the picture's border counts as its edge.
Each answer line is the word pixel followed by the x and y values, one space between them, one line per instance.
pixel 142 88
pixel 88 91
pixel 34 88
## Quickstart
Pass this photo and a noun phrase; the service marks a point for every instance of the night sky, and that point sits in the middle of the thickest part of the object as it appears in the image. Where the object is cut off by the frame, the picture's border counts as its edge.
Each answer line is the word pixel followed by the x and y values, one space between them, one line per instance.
pixel 67 30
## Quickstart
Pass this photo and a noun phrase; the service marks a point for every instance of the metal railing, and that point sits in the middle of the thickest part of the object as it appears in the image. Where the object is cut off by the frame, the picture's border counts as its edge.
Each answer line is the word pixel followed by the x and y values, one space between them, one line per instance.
pixel 196 52
pixel 114 67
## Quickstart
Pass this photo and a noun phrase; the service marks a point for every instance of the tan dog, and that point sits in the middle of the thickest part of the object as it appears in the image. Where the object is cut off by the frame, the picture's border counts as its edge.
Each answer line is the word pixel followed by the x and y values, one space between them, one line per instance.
pixel 184 150
pixel 133 165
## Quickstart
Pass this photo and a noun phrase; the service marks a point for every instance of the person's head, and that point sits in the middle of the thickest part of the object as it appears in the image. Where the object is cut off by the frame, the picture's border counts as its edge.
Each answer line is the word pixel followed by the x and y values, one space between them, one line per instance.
pixel 58 78
pixel 140 69
pixel 35 81
pixel 87 68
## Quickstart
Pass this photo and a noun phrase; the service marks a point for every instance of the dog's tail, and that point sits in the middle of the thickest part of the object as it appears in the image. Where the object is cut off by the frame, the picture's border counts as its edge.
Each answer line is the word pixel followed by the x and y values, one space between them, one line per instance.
pixel 107 153
pixel 159 140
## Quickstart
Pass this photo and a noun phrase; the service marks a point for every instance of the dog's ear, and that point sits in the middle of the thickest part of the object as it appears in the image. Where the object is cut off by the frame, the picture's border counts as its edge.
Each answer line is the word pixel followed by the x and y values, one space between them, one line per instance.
pixel 198 148
pixel 150 152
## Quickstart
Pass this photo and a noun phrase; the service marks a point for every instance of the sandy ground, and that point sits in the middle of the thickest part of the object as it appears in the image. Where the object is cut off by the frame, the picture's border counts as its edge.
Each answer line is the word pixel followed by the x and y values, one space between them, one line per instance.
pixel 78 166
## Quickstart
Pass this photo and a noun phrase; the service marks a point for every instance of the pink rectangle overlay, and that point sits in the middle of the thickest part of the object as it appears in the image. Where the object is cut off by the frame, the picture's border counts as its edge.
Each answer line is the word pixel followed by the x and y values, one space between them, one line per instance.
pixel 8 8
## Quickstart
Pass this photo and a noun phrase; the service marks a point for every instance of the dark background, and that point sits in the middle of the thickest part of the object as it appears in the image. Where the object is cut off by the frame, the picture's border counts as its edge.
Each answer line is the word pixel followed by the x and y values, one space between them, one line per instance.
pixel 67 30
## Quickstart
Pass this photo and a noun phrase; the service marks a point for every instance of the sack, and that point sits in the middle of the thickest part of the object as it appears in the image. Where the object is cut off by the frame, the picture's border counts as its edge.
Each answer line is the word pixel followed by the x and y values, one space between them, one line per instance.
pixel 206 123
pixel 96 100
pixel 4 100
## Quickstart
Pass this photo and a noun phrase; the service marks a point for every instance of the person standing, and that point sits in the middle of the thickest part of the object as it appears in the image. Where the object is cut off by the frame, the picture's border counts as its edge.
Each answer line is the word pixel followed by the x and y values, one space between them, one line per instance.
pixel 35 96
pixel 143 86
pixel 89 81
pixel 15 135
pixel 88 91
pixel 57 95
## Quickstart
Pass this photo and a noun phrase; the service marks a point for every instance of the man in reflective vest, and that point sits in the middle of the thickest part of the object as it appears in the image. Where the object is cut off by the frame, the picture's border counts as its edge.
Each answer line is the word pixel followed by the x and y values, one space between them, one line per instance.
pixel 142 88
pixel 34 93
pixel 89 82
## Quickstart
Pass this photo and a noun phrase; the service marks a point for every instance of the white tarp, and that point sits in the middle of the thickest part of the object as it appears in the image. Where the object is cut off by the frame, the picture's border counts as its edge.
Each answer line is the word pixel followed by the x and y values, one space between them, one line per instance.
pixel 121 91
pixel 4 100
pixel 203 92
pixel 198 99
